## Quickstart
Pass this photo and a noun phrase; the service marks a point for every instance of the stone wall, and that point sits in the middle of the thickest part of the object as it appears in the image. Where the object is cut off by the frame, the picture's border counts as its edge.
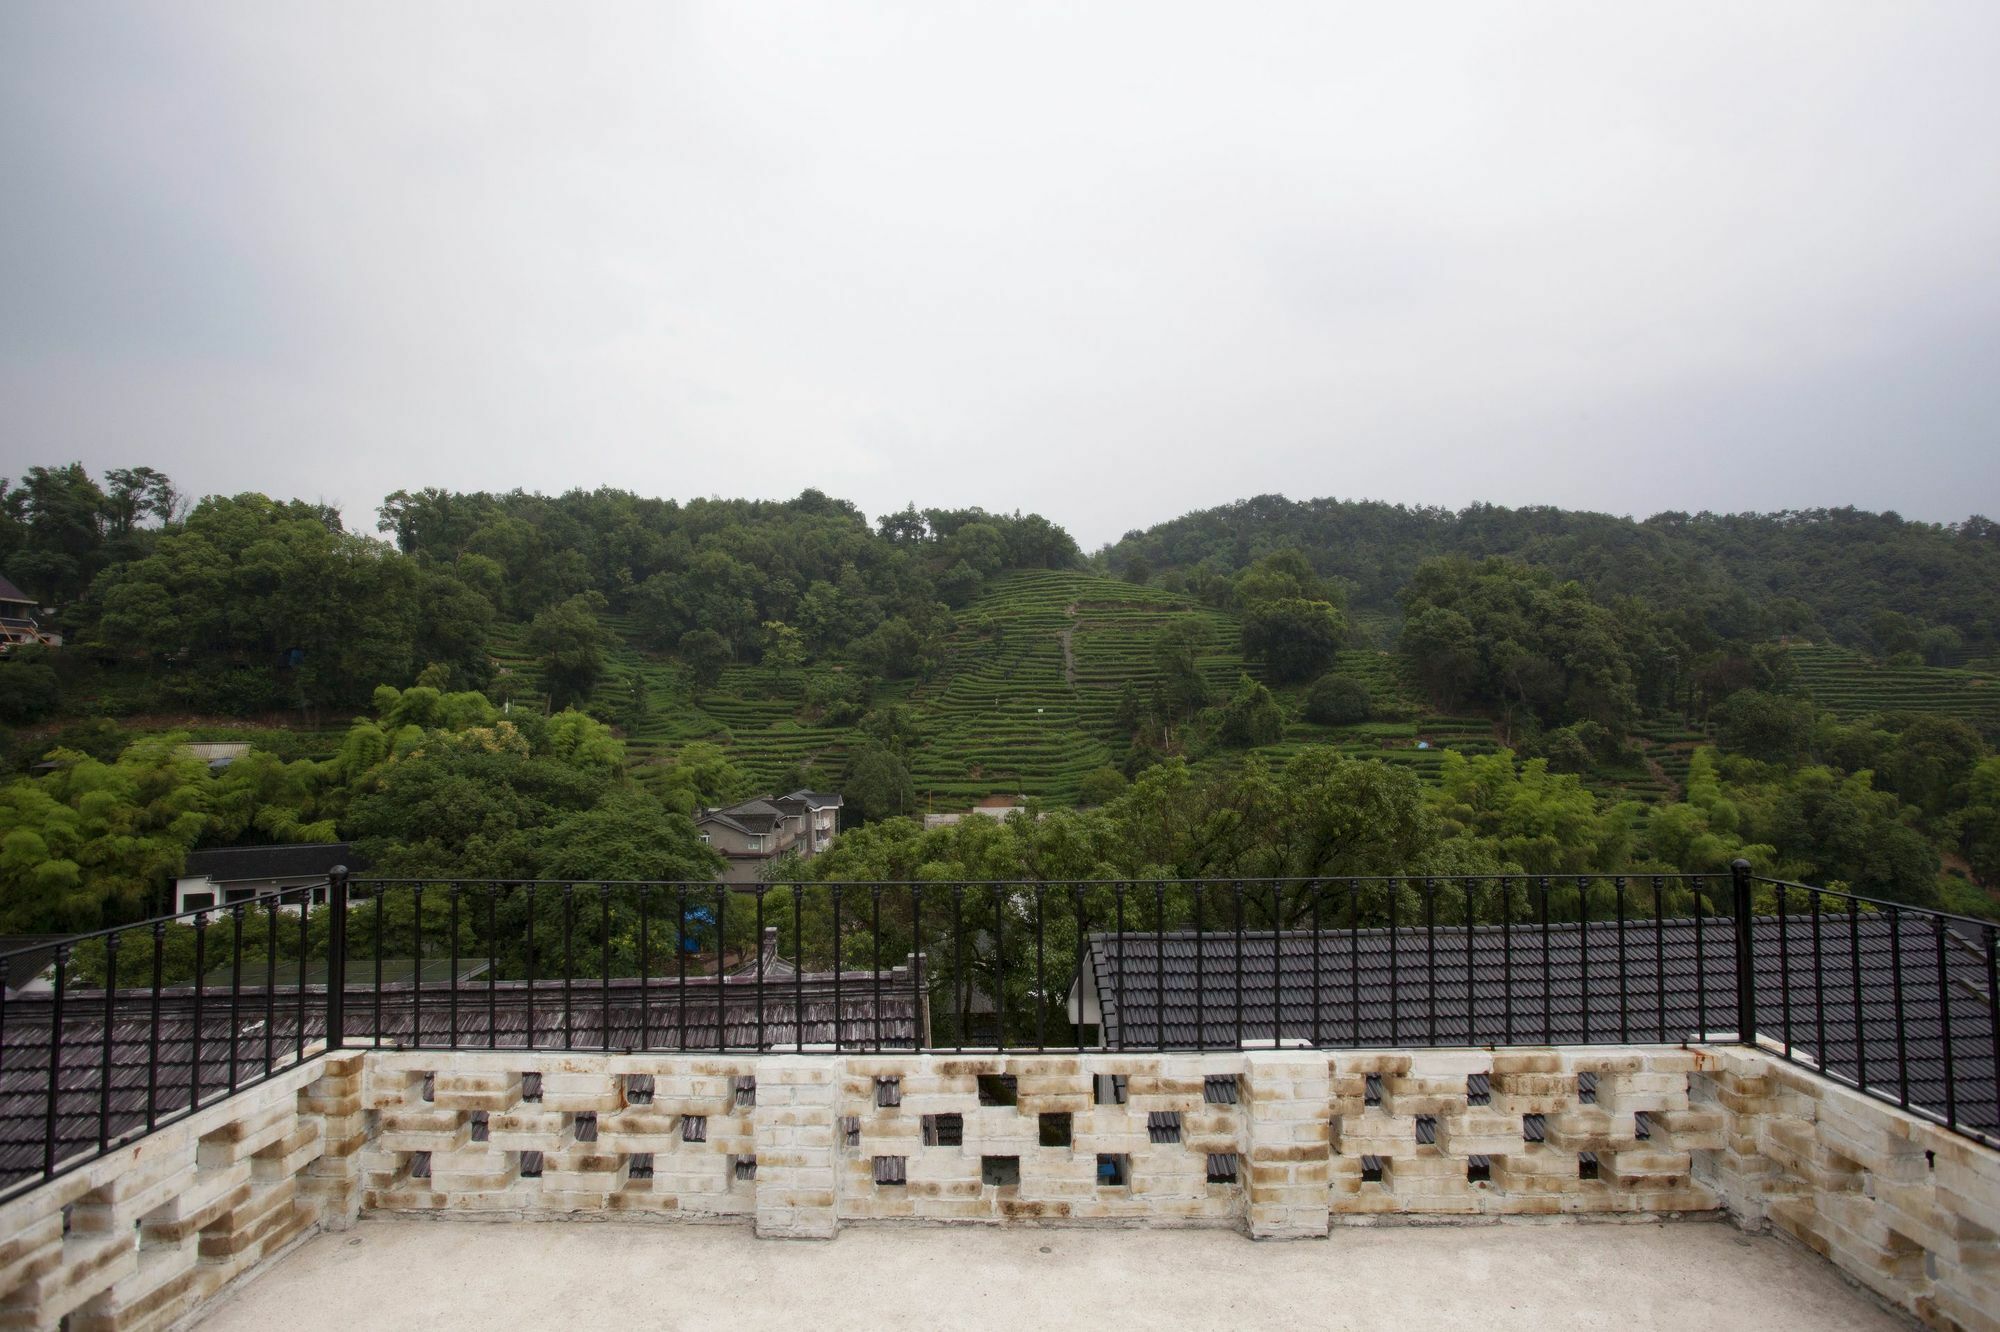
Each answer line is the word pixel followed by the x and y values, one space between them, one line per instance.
pixel 1281 1143
pixel 1904 1207
pixel 146 1234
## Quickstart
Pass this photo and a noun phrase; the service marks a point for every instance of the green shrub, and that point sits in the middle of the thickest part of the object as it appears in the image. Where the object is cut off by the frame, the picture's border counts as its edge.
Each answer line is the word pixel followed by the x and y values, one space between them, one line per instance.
pixel 1335 700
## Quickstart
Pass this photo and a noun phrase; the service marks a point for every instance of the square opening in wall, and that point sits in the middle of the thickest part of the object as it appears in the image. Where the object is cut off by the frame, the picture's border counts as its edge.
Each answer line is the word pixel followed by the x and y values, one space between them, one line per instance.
pixel 1000 1171
pixel 1534 1128
pixel 889 1170
pixel 1222 1167
pixel 1586 1088
pixel 1642 1125
pixel 420 1165
pixel 430 1086
pixel 531 1165
pixel 638 1089
pixel 1163 1125
pixel 1113 1171
pixel 1586 1165
pixel 531 1086
pixel 850 1130
pixel 944 1130
pixel 746 1092
pixel 1108 1088
pixel 640 1166
pixel 745 1167
pixel 1478 1089
pixel 1479 1170
pixel 998 1089
pixel 888 1091
pixel 1427 1130
pixel 1371 1089
pixel 1372 1170
pixel 694 1128
pixel 1219 1089
pixel 586 1127
pixel 481 1126
pixel 1055 1130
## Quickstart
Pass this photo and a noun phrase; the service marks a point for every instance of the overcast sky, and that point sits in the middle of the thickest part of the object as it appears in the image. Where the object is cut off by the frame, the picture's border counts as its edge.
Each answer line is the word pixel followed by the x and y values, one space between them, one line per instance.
pixel 1107 262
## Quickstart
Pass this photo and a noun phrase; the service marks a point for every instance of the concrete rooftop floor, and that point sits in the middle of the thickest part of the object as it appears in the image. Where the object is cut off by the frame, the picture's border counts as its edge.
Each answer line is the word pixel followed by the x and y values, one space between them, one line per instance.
pixel 444 1274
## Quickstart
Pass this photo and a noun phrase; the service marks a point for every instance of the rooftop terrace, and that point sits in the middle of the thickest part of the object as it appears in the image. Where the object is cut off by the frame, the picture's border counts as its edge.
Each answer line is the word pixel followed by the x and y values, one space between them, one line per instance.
pixel 1676 1276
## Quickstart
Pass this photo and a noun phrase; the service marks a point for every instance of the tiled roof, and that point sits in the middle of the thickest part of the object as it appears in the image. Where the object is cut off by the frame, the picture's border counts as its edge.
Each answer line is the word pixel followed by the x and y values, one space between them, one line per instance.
pixel 296 860
pixel 8 592
pixel 1487 986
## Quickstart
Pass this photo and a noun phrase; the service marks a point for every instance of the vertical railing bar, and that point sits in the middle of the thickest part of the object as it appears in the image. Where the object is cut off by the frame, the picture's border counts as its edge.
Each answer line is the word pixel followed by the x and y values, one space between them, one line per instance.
pixel 1237 893
pixel 1316 890
pixel 1993 1003
pixel 110 1019
pixel 1701 956
pixel 305 950
pixel 1471 986
pixel 569 963
pixel 1277 968
pixel 236 914
pixel 1395 970
pixel 1583 949
pixel 417 965
pixel 681 963
pixel 721 981
pixel 49 1126
pixel 1820 1052
pixel 1784 970
pixel 875 927
pixel 153 1027
pixel 999 966
pixel 1507 959
pixel 375 893
pixel 1430 963
pixel 1041 978
pixel 837 951
pixel 1117 973
pixel 452 1002
pixel 1076 903
pixel 1660 959
pixel 528 991
pixel 920 1033
pixel 1548 982
pixel 1624 1000
pixel 194 1047
pixel 961 987
pixel 646 965
pixel 271 976
pixel 1944 1027
pixel 1354 962
pixel 1896 988
pixel 1159 966
pixel 492 895
pixel 1200 970
pixel 1860 1018
pixel 761 890
pixel 604 962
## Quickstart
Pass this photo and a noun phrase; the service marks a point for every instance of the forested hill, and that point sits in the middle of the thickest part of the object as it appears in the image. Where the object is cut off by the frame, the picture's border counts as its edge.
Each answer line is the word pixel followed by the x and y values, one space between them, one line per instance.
pixel 1874 581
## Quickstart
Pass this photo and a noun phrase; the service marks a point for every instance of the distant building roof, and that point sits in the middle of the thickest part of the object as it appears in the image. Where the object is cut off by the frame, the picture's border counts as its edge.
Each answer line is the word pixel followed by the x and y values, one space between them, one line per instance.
pixel 9 592
pixel 232 864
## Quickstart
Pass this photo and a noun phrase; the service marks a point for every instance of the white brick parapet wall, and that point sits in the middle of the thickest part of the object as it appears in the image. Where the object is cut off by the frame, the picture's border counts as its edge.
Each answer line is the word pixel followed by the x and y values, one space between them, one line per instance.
pixel 800 1145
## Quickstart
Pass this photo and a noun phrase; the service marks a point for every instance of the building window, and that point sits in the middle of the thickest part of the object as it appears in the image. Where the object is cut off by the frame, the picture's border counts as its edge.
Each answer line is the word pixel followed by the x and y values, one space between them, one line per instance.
pixel 944 1130
pixel 197 901
pixel 889 1170
pixel 1163 1126
pixel 1478 1089
pixel 1222 1167
pixel 1000 1171
pixel 694 1128
pixel 642 1166
pixel 1219 1089
pixel 1113 1171
pixel 998 1089
pixel 1054 1129
pixel 888 1091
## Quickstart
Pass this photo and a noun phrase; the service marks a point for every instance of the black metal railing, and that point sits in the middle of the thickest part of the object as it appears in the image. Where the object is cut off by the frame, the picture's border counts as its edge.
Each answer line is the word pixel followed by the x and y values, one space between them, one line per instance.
pixel 143 1024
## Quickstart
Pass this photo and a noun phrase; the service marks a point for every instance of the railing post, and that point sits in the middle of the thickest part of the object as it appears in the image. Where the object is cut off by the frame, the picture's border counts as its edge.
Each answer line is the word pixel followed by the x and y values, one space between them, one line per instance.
pixel 336 957
pixel 1746 962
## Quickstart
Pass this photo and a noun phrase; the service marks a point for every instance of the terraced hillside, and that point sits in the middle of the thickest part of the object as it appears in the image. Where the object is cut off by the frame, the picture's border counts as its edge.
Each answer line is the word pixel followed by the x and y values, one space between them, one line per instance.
pixel 1850 685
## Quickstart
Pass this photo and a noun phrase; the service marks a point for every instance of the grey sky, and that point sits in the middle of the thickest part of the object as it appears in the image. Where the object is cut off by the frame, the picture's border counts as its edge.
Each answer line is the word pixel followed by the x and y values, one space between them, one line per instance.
pixel 1107 262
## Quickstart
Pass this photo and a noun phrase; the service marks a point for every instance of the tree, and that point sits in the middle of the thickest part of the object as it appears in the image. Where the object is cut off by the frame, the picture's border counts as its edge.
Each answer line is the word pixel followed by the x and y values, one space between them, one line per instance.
pixel 704 652
pixel 568 645
pixel 878 785
pixel 1251 717
pixel 1101 786
pixel 1337 700
pixel 1770 727
pixel 1180 690
pixel 784 648
pixel 1296 639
